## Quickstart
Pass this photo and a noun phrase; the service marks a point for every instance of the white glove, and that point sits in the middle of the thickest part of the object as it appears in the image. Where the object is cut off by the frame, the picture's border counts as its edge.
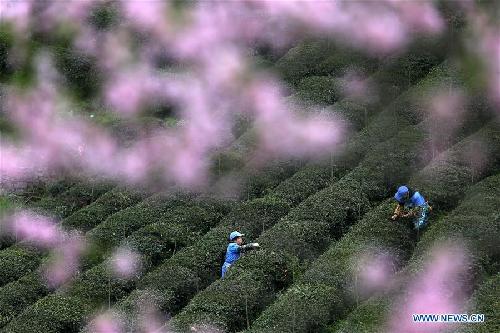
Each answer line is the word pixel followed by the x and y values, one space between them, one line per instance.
pixel 255 245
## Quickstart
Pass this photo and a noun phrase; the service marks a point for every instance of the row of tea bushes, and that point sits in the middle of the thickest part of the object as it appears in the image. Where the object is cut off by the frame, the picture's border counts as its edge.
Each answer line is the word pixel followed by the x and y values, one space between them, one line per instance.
pixel 391 79
pixel 37 189
pixel 333 272
pixel 301 236
pixel 99 285
pixel 319 57
pixel 199 274
pixel 31 286
pixel 109 203
pixel 308 228
pixel 16 295
pixel 158 226
pixel 24 260
pixel 195 268
pixel 58 199
pixel 398 74
pixel 474 223
pixel 71 200
pixel 486 300
pixel 19 259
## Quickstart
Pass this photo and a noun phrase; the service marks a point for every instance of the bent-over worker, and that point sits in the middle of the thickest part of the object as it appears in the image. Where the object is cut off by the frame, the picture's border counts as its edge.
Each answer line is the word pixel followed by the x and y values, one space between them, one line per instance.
pixel 416 205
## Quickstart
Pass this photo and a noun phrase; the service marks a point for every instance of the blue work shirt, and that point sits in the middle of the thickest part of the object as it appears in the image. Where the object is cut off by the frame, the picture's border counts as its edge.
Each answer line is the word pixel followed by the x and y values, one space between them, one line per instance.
pixel 416 200
pixel 233 253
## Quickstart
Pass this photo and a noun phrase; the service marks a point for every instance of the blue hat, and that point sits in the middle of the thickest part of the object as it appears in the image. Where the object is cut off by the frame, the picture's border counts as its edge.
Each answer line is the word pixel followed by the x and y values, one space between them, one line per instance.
pixel 235 234
pixel 402 190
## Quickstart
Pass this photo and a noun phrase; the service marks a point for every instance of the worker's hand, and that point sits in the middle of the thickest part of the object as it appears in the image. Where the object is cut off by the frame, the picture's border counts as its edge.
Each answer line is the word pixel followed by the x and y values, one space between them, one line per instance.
pixel 255 245
pixel 394 217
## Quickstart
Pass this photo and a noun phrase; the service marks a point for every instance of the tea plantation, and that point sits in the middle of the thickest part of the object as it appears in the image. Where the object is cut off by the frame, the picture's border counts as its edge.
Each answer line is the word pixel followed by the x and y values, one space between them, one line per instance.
pixel 312 219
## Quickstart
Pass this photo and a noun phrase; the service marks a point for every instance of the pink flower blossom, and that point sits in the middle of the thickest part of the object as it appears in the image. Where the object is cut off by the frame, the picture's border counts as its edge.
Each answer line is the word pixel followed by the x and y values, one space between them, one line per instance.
pixel 435 290
pixel 17 12
pixel 106 323
pixel 447 110
pixel 374 271
pixel 34 229
pixel 65 261
pixel 125 263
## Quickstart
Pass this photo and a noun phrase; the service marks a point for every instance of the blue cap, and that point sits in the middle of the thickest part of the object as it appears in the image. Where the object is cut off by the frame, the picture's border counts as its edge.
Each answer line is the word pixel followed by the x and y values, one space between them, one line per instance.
pixel 402 190
pixel 234 235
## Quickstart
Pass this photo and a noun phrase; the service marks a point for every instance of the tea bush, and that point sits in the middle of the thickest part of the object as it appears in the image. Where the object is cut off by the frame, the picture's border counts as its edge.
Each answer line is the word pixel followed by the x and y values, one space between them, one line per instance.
pixel 71 200
pixel 106 205
pixel 478 209
pixel 334 269
pixel 486 300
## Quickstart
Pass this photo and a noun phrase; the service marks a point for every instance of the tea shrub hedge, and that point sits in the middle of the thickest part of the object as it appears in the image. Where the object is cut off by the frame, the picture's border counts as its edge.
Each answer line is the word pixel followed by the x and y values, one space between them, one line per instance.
pixel 71 200
pixel 17 260
pixel 16 295
pixel 307 230
pixel 478 209
pixel 334 268
pixel 486 300
pixel 98 285
pixel 176 294
pixel 106 205
pixel 319 89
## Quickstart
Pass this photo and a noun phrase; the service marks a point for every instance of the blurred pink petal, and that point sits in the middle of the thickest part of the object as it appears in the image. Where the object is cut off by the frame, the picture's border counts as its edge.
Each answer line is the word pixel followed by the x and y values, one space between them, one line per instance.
pixel 421 16
pixel 35 229
pixel 435 290
pixel 447 110
pixel 17 12
pixel 128 91
pixel 66 261
pixel 149 16
pixel 125 263
pixel 374 271
pixel 106 323
pixel 151 320
pixel 283 133
pixel 476 156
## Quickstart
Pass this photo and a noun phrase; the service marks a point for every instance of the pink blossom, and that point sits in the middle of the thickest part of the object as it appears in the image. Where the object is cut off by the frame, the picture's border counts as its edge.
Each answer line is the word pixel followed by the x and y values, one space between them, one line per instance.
pixel 490 50
pixel 149 16
pixel 282 133
pixel 151 320
pixel 16 163
pixel 374 271
pixel 65 261
pixel 357 87
pixel 128 91
pixel 216 81
pixel 435 290
pixel 56 13
pixel 125 263
pixel 106 323
pixel 377 27
pixel 17 12
pixel 421 16
pixel 447 109
pixel 34 229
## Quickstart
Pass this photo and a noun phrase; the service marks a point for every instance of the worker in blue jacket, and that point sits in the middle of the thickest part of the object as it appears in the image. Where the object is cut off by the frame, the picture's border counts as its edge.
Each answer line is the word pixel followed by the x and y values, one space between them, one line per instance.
pixel 235 249
pixel 410 203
